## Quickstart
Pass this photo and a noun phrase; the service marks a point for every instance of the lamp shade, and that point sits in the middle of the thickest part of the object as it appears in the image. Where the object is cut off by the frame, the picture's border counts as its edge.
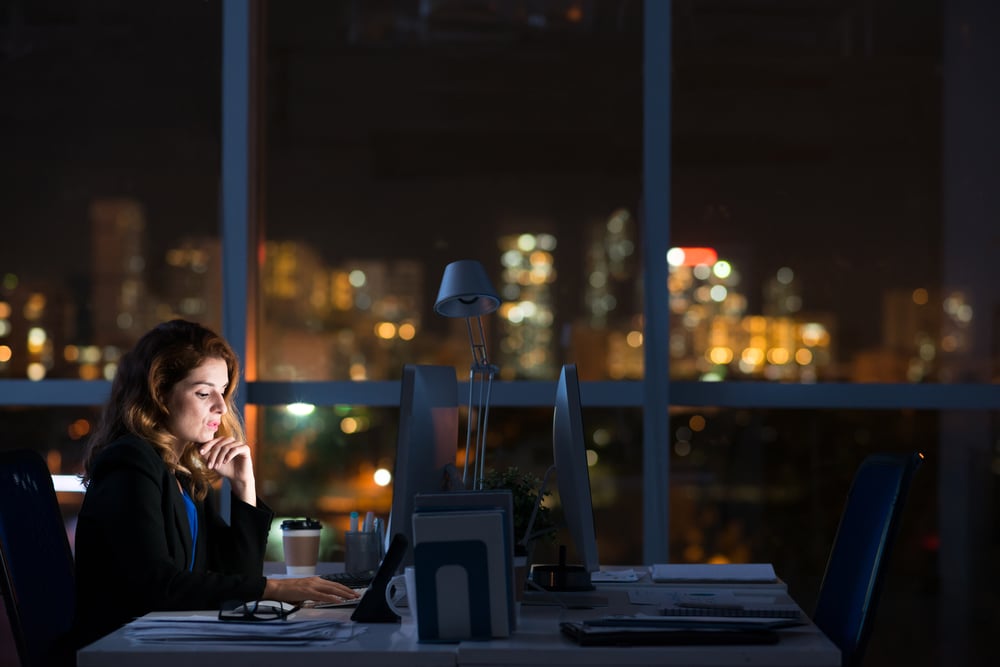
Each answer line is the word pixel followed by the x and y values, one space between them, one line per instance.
pixel 465 291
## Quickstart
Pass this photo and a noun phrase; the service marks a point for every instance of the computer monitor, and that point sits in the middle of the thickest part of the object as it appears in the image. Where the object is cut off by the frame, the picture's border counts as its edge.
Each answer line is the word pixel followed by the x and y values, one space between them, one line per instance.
pixel 426 444
pixel 569 452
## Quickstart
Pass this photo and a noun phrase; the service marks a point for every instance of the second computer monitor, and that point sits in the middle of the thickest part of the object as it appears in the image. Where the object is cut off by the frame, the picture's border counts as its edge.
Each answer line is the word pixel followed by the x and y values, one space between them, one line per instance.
pixel 569 451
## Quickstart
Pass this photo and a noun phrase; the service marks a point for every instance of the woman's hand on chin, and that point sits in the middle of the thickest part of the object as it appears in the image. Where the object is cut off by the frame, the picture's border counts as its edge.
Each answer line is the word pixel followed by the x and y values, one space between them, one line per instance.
pixel 233 460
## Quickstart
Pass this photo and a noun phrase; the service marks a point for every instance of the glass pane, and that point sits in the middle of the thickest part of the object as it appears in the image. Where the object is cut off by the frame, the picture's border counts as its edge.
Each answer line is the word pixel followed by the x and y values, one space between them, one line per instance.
pixel 325 463
pixel 109 181
pixel 404 136
pixel 60 435
pixel 807 159
pixel 328 462
pixel 770 485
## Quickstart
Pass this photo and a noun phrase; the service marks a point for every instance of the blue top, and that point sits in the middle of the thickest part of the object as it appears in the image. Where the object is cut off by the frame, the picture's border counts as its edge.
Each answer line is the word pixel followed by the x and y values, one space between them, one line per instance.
pixel 192 513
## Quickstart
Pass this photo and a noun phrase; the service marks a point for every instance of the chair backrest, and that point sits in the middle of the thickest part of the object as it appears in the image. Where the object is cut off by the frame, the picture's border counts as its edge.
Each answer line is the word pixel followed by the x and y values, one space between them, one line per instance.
pixel 37 578
pixel 855 571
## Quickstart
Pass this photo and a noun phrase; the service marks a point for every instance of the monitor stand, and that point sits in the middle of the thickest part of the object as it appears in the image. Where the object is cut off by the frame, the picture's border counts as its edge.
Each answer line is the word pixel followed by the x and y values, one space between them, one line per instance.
pixel 561 577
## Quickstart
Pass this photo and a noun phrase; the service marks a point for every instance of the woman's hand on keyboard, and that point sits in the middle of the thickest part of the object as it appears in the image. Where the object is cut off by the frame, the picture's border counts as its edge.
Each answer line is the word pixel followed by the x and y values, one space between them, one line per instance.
pixel 300 589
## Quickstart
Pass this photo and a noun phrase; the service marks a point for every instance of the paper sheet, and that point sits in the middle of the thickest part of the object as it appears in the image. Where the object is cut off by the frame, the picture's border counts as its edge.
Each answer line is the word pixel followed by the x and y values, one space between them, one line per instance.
pixel 605 576
pixel 208 629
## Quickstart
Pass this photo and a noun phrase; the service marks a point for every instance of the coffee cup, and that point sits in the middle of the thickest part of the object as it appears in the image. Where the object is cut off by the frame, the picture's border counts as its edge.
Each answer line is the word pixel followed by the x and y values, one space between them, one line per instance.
pixel 300 540
pixel 403 588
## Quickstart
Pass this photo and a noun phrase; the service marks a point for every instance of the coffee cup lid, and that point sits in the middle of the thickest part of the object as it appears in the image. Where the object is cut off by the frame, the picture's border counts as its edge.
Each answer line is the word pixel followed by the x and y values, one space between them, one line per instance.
pixel 300 524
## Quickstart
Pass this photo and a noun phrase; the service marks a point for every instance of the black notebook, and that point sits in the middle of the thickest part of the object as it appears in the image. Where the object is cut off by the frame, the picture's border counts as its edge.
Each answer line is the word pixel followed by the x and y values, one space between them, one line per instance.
pixel 586 634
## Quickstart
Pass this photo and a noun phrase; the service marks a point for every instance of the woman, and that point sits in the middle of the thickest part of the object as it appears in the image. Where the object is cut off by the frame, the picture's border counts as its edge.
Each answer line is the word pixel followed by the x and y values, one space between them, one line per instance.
pixel 149 535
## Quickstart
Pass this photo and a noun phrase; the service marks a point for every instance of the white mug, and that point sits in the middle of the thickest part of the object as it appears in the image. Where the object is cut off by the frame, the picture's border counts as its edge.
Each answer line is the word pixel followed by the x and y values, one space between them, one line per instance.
pixel 403 589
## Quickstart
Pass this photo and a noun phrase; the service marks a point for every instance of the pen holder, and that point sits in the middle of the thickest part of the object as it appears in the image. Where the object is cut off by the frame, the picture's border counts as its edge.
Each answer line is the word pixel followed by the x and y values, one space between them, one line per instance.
pixel 362 552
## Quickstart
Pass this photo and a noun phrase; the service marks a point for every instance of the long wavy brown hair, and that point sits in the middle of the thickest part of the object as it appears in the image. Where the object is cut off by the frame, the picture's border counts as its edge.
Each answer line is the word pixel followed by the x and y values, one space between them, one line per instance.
pixel 138 403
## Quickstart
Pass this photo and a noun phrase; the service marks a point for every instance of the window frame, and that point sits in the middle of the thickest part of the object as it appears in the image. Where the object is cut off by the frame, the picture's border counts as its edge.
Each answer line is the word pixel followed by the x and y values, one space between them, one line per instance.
pixel 240 57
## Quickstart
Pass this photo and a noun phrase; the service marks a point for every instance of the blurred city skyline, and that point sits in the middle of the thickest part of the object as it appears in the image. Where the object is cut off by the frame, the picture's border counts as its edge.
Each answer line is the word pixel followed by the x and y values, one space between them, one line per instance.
pixel 765 150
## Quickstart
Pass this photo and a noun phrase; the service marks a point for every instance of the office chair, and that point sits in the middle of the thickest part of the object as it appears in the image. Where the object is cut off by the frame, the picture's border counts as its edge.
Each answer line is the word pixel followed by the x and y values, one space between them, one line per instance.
pixel 36 578
pixel 856 569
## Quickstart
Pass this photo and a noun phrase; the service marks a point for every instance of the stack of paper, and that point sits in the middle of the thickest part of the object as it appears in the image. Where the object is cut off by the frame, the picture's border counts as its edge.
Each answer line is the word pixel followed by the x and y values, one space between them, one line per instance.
pixel 208 629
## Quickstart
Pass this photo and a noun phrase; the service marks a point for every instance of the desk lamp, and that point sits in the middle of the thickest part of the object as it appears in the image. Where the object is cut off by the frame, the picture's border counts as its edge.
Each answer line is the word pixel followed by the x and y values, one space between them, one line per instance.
pixel 466 292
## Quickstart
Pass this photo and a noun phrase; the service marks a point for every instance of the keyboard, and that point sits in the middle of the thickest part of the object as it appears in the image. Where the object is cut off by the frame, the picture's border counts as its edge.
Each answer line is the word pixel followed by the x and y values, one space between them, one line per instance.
pixel 356 581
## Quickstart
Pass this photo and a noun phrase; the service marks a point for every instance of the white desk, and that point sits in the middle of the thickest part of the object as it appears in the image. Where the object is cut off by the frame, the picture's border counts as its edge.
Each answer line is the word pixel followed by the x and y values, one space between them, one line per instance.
pixel 537 641
pixel 383 644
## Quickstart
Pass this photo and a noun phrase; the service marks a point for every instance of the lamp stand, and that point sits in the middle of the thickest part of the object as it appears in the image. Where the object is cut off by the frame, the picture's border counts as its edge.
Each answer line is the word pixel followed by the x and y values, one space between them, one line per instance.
pixel 482 373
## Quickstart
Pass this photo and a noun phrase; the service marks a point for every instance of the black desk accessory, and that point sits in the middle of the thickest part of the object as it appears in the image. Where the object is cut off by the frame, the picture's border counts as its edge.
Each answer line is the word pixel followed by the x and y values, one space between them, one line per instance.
pixel 562 577
pixel 373 608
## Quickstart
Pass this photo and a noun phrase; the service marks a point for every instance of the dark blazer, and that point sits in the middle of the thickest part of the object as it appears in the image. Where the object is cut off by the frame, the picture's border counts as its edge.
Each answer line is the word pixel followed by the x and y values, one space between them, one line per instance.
pixel 133 544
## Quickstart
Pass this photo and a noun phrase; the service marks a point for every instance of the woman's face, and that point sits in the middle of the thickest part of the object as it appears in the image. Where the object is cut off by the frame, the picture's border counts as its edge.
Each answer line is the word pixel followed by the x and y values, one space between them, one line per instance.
pixel 197 402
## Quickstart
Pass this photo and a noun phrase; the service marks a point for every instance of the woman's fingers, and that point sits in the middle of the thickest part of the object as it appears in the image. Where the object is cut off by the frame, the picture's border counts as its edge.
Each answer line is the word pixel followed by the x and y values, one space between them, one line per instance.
pixel 223 451
pixel 309 588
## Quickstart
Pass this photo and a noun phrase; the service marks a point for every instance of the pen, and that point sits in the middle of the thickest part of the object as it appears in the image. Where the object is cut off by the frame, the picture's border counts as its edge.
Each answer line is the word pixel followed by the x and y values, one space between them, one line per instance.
pixel 369 522
pixel 377 527
pixel 354 522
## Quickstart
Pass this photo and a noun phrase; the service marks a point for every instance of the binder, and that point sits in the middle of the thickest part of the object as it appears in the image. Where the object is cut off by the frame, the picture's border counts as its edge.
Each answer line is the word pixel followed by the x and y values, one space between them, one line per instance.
pixel 493 499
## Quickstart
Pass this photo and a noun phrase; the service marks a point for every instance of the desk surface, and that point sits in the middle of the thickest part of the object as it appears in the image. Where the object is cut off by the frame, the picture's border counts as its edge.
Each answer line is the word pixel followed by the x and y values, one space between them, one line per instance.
pixel 537 641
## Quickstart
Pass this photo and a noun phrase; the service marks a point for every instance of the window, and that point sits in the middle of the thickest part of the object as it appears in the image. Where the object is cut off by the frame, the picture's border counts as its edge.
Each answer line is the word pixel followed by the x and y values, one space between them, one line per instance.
pixel 829 154
pixel 399 138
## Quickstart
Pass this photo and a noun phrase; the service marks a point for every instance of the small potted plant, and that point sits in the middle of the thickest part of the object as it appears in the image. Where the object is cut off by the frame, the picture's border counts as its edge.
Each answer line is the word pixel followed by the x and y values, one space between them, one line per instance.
pixel 525 488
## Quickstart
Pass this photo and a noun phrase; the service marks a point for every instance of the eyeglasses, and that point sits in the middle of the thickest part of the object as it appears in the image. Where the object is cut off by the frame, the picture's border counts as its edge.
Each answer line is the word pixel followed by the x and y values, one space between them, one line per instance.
pixel 256 610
